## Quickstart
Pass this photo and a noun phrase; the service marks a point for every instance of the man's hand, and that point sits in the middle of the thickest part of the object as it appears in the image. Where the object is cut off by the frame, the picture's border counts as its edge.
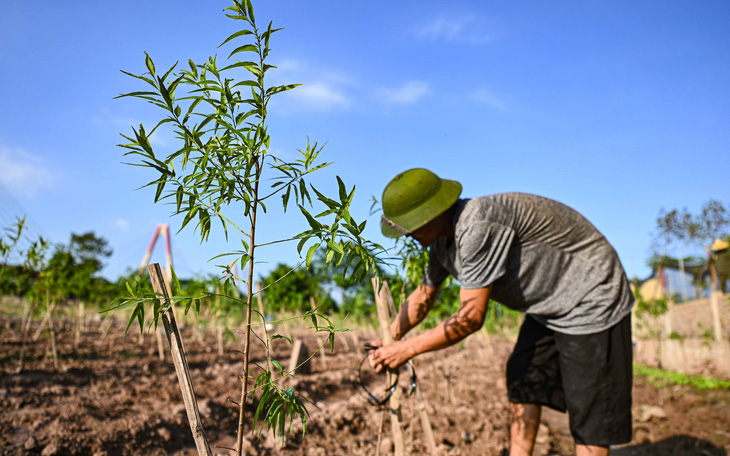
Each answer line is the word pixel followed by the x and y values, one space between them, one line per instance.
pixel 392 355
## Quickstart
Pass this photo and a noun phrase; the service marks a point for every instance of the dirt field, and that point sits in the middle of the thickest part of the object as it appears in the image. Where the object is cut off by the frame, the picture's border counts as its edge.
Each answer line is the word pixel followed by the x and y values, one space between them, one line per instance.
pixel 113 396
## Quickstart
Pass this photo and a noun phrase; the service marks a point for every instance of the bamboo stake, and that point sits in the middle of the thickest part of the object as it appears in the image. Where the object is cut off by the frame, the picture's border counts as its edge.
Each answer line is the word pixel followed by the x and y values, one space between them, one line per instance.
pixel 396 415
pixel 180 361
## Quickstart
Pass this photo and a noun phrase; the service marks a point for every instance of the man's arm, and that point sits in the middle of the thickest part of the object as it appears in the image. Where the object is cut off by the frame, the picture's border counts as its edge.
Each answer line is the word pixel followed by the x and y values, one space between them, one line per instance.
pixel 468 319
pixel 414 310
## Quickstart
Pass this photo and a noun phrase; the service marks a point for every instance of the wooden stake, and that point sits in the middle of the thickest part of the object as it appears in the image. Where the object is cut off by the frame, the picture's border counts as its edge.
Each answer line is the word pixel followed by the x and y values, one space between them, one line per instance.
pixel 180 361
pixel 160 344
pixel 421 405
pixel 79 323
pixel 323 356
pixel 425 421
pixel 717 325
pixel 345 343
pixel 52 331
pixel 396 415
pixel 38 331
pixel 106 323
pixel 299 354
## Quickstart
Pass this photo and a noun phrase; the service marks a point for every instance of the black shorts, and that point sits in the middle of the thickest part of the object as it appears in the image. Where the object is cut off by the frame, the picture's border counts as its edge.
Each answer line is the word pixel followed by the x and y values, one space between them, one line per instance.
pixel 589 375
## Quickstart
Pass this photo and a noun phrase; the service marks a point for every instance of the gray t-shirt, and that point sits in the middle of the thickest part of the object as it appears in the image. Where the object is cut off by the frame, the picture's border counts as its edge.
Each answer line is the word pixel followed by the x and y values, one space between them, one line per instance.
pixel 540 256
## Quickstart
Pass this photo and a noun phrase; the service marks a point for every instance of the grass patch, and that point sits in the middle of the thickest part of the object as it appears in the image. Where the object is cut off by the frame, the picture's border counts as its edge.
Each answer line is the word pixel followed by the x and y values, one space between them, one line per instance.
pixel 661 378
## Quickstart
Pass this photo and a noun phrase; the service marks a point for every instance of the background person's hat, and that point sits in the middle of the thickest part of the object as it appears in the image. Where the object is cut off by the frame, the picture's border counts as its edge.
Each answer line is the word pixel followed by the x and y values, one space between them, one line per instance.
pixel 719 244
pixel 413 198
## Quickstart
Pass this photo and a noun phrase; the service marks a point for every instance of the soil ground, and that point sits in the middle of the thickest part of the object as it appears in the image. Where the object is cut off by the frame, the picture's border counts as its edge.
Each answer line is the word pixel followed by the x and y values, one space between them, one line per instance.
pixel 113 396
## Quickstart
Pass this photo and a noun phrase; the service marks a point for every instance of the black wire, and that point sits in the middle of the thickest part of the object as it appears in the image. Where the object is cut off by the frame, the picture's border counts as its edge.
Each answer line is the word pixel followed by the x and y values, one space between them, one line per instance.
pixel 391 389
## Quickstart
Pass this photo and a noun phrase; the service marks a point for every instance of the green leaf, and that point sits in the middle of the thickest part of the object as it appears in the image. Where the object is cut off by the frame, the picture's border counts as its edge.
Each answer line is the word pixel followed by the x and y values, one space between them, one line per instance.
pixel 236 35
pixel 137 314
pixel 193 68
pixel 310 253
pixel 278 89
pixel 279 336
pixel 244 260
pixel 160 187
pixel 285 197
pixel 244 48
pixel 343 189
pixel 175 281
pixel 336 247
pixel 149 63
pixel 249 8
pixel 312 222
pixel 278 365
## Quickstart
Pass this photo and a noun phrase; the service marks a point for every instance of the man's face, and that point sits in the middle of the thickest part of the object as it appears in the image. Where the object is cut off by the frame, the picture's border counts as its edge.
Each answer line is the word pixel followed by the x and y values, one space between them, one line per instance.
pixel 427 234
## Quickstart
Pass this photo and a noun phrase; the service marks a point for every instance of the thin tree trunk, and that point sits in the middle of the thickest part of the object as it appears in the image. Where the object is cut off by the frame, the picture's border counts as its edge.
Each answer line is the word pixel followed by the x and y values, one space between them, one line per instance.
pixel 180 361
pixel 249 298
pixel 260 302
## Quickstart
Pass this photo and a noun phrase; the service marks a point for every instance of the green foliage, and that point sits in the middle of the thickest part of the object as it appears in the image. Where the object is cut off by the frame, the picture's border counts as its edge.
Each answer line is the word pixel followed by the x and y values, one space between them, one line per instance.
pixel 662 378
pixel 18 279
pixel 290 290
pixel 215 176
pixel 277 404
pixel 70 272
pixel 699 229
pixel 653 308
pixel 690 262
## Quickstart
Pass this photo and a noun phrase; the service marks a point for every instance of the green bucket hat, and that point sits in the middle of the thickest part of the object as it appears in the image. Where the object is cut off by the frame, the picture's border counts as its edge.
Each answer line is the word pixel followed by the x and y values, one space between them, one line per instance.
pixel 413 198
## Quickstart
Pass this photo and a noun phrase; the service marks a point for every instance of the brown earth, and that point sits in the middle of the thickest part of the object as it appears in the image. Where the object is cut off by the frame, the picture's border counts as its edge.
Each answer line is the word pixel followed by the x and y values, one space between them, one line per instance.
pixel 113 396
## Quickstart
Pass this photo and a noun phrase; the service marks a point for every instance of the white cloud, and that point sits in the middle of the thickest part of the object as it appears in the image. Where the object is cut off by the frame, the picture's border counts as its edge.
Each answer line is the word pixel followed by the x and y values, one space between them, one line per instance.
pixel 321 90
pixel 122 224
pixel 471 29
pixel 408 93
pixel 24 173
pixel 486 97
pixel 319 96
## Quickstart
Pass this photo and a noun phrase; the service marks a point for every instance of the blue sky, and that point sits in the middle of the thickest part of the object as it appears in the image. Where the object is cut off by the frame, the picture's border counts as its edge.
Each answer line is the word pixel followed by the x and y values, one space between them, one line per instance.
pixel 617 109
